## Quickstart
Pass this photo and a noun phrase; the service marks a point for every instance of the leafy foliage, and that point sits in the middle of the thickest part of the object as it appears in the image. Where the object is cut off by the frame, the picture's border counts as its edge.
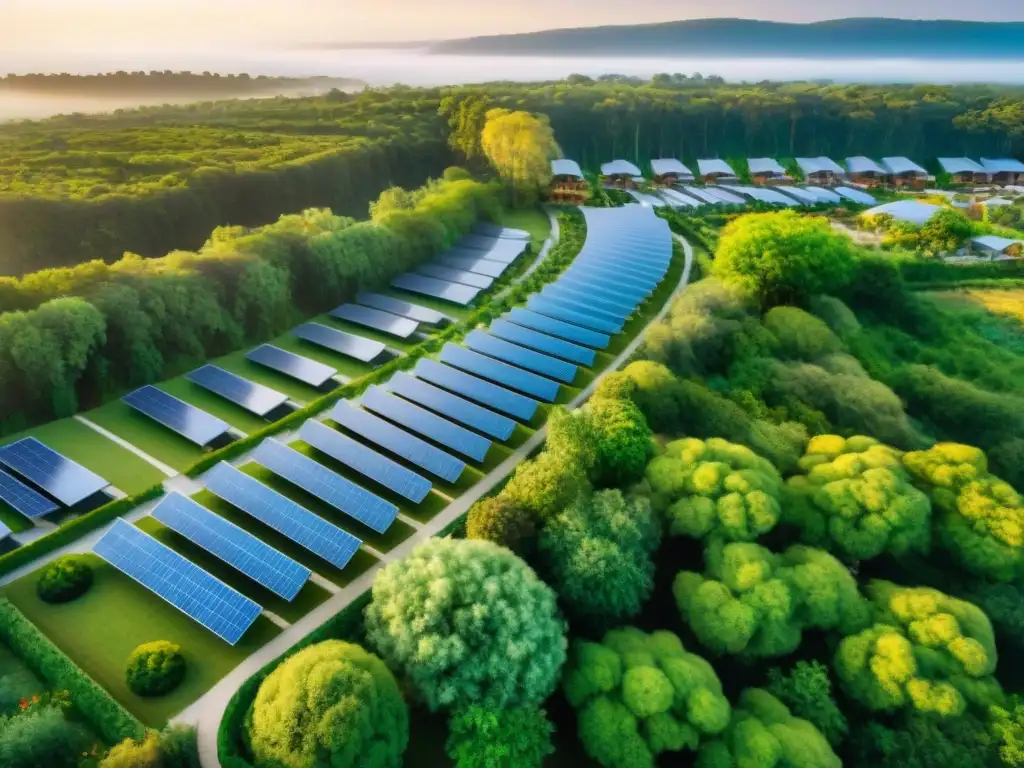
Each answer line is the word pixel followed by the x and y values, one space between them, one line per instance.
pixel 519 737
pixel 521 147
pixel 807 690
pixel 499 520
pixel 155 668
pixel 622 439
pixel 41 737
pixel 64 579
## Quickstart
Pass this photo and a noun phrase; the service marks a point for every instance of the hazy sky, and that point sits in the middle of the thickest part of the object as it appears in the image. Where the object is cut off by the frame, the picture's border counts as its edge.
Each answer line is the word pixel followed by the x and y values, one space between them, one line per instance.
pixel 141 25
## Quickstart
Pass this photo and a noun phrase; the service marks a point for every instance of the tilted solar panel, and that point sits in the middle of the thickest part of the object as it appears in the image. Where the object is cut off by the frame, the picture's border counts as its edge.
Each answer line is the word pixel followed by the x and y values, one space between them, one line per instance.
pixel 498 372
pixel 500 255
pixel 4 531
pixel 235 546
pixel 480 242
pixel 402 308
pixel 365 461
pixel 62 478
pixel 482 282
pixel 378 320
pixel 328 486
pixel 315 534
pixel 572 312
pixel 488 229
pixel 425 423
pixel 559 328
pixel 187 420
pixel 479 266
pixel 454 407
pixel 605 289
pixel 23 499
pixel 440 289
pixel 615 310
pixel 182 583
pixel 509 248
pixel 253 397
pixel 611 278
pixel 626 266
pixel 298 367
pixel 356 347
pixel 527 359
pixel 477 389
pixel 542 342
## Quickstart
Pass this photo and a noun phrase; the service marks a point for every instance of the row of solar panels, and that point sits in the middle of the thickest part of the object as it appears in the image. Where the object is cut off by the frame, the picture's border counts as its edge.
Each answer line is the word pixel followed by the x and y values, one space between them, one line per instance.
pixel 36 480
pixel 687 196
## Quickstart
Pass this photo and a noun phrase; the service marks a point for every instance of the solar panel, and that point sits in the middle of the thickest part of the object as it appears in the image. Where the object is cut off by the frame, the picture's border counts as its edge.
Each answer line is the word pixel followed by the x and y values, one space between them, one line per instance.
pixel 365 461
pixel 187 420
pixel 253 397
pixel 481 242
pixel 606 289
pixel 481 391
pixel 423 422
pixel 638 272
pixel 209 601
pixel 328 486
pixel 571 312
pixel 500 255
pixel 454 407
pixel 298 367
pixel 499 249
pixel 385 322
pixel 559 328
pixel 356 347
pixel 402 308
pixel 507 375
pixel 496 230
pixel 456 275
pixel 599 275
pixel 248 494
pixel 25 500
pixel 480 266
pixel 527 359
pixel 62 478
pixel 440 289
pixel 235 546
pixel 526 337
pixel 615 310
pixel 4 531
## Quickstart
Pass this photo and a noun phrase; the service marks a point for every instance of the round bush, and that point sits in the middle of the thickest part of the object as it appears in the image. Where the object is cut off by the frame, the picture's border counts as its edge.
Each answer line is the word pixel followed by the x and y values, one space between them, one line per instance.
pixel 156 668
pixel 64 579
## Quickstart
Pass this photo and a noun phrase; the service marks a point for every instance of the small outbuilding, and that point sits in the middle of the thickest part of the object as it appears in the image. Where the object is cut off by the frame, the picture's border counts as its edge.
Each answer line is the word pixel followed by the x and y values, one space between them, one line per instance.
pixel 963 170
pixel 715 171
pixel 620 173
pixel 668 171
pixel 1004 171
pixel 865 171
pixel 767 170
pixel 997 248
pixel 912 211
pixel 820 170
pixel 904 172
pixel 567 181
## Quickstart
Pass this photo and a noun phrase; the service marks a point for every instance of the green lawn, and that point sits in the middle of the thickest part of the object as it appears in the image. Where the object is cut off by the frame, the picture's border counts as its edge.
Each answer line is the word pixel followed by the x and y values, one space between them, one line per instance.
pixel 533 220
pixel 99 630
pixel 145 434
pixel 13 519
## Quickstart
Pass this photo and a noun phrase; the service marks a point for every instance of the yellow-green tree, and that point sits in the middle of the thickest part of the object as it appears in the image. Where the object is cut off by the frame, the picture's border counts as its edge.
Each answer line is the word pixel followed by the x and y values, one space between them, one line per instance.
pixel 521 147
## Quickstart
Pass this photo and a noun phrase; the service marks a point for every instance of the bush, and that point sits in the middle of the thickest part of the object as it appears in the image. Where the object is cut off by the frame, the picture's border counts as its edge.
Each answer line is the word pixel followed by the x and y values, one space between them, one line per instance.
pixel 63 580
pixel 622 441
pixel 507 738
pixel 42 737
pixel 155 668
pixel 807 691
pixel 135 754
pixel 498 520
pixel 801 336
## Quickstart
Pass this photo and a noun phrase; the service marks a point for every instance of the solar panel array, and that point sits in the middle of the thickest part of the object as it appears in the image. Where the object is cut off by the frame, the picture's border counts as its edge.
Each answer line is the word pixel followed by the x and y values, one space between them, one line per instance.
pixel 65 480
pixel 476 389
pixel 378 320
pixel 347 344
pixel 597 302
pixel 402 308
pixel 182 583
pixel 571 312
pixel 454 407
pixel 505 250
pixel 496 230
pixel 253 397
pixel 479 266
pixel 439 289
pixel 527 359
pixel 300 368
pixel 456 275
pixel 235 546
pixel 856 195
pixel 558 328
pixel 188 421
pixel 23 499
pixel 508 375
pixel 276 511
pixel 526 337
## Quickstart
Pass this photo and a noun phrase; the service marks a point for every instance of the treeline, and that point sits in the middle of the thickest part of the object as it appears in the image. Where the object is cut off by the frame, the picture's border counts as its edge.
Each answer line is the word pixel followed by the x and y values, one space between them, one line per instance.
pixel 165 82
pixel 71 336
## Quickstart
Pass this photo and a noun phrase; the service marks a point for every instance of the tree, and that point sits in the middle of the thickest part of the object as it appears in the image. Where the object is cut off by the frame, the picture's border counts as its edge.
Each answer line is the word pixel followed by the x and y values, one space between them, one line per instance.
pixel 499 520
pixel 801 336
pixel 64 579
pixel 1007 727
pixel 40 737
pixel 467 622
pixel 155 668
pixel 505 738
pixel 546 485
pixel 622 441
pixel 807 690
pixel 330 704
pixel 640 695
pixel 920 740
pixel 783 257
pixel 520 147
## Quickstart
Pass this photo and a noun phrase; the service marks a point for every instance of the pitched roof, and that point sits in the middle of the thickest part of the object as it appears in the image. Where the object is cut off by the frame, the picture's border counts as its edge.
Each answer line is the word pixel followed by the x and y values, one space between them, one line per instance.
pixel 913 211
pixel 861 164
pixel 620 168
pixel 901 165
pixel 715 166
pixel 765 165
pixel 995 243
pixel 960 165
pixel 820 164
pixel 566 168
pixel 666 165
pixel 1002 165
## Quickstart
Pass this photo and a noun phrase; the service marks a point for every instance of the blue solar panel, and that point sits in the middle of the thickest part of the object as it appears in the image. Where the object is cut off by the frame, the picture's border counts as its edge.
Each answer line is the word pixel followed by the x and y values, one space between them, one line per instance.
pixel 643 273
pixel 524 358
pixel 25 500
pixel 402 308
pixel 248 494
pixel 487 229
pixel 483 282
pixel 4 531
pixel 424 422
pixel 480 266
pixel 398 442
pixel 559 328
pixel 328 486
pixel 62 478
pixel 571 313
pixel 441 289
pixel 481 391
pixel 454 407
pixel 378 320
pixel 616 310
pixel 364 350
pixel 235 546
pixel 182 583
pixel 526 337
pixel 502 373
pixel 499 249
pixel 187 420
pixel 614 277
pixel 603 289
pixel 501 255
pixel 255 398
pixel 298 367
pixel 365 461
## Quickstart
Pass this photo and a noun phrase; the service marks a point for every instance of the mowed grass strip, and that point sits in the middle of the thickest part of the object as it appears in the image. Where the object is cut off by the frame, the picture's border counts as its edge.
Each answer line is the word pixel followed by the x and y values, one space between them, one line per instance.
pixel 147 435
pixel 100 629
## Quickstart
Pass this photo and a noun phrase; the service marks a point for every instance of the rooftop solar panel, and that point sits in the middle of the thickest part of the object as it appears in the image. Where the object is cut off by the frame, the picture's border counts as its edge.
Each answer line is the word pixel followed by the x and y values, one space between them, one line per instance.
pixel 187 420
pixel 255 398
pixel 526 337
pixel 23 499
pixel 559 328
pixel 62 478
pixel 454 407
pixel 425 423
pixel 299 368
pixel 235 546
pixel 480 266
pixel 440 289
pixel 365 461
pixel 402 308
pixel 356 347
pixel 385 322
pixel 315 534
pixel 328 486
pixel 571 313
pixel 527 359
pixel 182 583
pixel 502 373
pixel 477 389
pixel 482 282
pixel 397 441
pixel 615 310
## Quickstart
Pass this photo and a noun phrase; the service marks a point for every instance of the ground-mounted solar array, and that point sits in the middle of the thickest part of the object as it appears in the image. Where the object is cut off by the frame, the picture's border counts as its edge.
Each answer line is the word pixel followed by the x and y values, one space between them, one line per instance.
pixel 63 479
pixel 376 319
pixel 439 289
pixel 452 406
pixel 192 423
pixel 401 308
pixel 23 499
pixel 253 397
pixel 300 368
pixel 350 345
pixel 456 275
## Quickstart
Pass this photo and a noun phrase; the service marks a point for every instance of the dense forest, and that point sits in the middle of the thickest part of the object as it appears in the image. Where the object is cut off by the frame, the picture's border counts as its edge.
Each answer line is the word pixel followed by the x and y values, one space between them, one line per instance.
pixel 198 85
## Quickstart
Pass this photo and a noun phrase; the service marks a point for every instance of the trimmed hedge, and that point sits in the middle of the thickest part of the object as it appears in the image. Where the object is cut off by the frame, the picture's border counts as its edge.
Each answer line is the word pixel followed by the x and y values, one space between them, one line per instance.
pixel 63 580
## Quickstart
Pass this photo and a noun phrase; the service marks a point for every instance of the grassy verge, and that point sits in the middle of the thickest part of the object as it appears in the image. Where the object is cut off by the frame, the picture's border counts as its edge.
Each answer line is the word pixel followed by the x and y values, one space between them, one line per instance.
pixel 146 435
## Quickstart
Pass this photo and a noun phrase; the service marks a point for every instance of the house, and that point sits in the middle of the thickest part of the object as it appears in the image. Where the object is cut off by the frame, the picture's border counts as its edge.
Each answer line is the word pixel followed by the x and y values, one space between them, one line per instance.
pixel 820 170
pixel 864 170
pixel 912 211
pixel 1004 170
pixel 963 170
pixel 997 248
pixel 620 173
pixel 668 171
pixel 567 181
pixel 904 172
pixel 714 171
pixel 766 170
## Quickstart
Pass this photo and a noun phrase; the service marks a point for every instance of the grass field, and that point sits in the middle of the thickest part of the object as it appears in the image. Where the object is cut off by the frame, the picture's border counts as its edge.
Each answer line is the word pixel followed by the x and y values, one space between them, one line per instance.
pixel 99 630
pixel 146 435
pixel 533 220
pixel 1009 303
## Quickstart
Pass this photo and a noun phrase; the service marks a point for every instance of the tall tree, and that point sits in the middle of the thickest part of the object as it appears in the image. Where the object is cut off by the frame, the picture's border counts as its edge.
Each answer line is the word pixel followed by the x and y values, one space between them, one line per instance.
pixel 521 147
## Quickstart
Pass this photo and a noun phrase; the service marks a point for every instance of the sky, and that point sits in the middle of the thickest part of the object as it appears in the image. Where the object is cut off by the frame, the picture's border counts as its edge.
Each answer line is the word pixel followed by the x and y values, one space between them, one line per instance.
pixel 65 26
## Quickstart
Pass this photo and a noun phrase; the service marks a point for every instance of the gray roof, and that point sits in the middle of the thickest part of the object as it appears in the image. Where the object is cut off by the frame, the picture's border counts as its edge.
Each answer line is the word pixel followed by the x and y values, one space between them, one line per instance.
pixel 960 165
pixel 711 167
pixel 901 165
pixel 620 168
pixel 566 168
pixel 994 243
pixel 913 211
pixel 1002 165
pixel 761 165
pixel 667 165
pixel 819 165
pixel 861 164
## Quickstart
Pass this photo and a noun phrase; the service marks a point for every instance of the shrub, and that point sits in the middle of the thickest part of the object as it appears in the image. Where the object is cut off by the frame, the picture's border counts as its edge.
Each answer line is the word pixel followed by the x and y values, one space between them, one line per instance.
pixel 135 754
pixel 807 690
pixel 545 485
pixel 64 579
pixel 155 668
pixel 622 441
pixel 41 737
pixel 510 738
pixel 801 336
pixel 498 520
